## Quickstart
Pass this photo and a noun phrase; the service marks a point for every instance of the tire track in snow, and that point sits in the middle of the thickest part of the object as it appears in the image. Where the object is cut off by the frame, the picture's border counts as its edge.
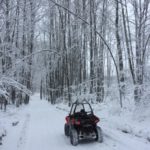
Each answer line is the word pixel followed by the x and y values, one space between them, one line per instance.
pixel 22 138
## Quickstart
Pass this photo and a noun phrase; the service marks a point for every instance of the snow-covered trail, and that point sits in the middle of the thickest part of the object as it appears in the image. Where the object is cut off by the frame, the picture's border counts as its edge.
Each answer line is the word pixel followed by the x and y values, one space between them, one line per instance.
pixel 42 128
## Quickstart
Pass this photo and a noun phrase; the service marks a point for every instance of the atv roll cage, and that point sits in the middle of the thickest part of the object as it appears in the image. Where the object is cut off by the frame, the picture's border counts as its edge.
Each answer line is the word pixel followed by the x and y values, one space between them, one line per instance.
pixel 82 107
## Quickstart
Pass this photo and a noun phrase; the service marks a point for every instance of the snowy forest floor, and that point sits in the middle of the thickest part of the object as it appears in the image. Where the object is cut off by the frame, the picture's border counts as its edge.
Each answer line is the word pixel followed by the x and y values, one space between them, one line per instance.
pixel 40 126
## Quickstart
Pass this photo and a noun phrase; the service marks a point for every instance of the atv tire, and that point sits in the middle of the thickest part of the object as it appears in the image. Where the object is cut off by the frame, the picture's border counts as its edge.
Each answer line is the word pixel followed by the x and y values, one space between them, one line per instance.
pixel 74 140
pixel 66 128
pixel 99 134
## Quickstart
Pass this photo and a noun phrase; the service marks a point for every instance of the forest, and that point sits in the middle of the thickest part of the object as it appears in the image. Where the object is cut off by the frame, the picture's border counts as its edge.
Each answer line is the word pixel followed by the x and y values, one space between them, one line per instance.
pixel 75 48
pixel 60 55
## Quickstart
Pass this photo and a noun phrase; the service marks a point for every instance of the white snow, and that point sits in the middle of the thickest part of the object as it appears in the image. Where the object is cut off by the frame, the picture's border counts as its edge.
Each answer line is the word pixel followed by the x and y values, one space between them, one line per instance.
pixel 40 126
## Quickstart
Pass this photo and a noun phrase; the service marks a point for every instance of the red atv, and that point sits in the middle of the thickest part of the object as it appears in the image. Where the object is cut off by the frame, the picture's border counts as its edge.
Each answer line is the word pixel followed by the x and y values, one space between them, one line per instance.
pixel 81 123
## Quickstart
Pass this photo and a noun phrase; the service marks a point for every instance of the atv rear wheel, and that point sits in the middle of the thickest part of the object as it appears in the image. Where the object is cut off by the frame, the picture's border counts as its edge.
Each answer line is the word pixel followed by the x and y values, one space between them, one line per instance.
pixel 66 129
pixel 99 134
pixel 74 139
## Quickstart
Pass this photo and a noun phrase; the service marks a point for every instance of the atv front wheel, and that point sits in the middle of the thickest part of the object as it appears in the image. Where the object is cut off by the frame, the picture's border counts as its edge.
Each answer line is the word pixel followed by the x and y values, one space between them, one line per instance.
pixel 74 137
pixel 66 128
pixel 99 134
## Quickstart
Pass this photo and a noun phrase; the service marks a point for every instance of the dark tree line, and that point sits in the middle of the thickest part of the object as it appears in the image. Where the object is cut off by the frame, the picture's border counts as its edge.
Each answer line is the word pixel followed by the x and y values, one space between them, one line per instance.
pixel 16 42
pixel 82 30
pixel 74 48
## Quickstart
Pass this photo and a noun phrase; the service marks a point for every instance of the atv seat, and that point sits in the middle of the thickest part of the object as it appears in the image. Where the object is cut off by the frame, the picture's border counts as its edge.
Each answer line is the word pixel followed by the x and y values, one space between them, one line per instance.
pixel 83 112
